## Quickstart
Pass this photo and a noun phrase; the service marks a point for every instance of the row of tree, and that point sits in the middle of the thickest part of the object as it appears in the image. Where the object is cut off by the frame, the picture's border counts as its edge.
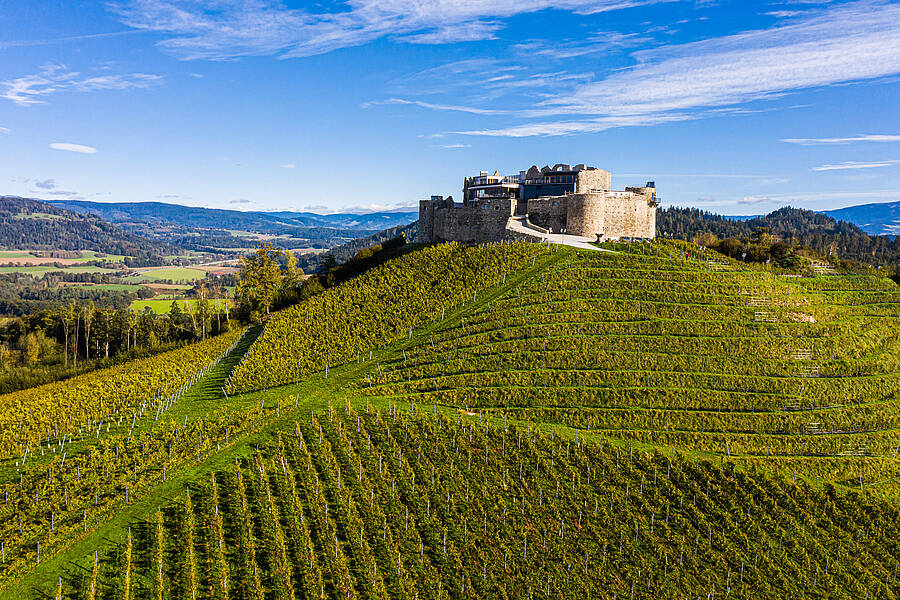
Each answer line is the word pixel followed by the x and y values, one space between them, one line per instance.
pixel 46 345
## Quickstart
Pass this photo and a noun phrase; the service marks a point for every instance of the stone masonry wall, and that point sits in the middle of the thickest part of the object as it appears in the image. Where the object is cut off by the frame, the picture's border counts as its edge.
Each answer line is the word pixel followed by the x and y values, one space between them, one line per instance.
pixel 549 212
pixel 591 180
pixel 586 214
pixel 481 222
pixel 628 214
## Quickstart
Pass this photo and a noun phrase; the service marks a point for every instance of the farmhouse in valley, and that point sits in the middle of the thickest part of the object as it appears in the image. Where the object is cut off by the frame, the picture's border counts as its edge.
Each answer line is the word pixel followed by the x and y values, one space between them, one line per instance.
pixel 577 200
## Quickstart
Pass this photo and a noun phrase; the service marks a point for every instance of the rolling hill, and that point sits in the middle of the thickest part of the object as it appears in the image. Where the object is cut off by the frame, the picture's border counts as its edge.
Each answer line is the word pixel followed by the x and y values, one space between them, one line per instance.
pixel 214 229
pixel 882 218
pixel 820 232
pixel 162 212
pixel 33 224
pixel 504 421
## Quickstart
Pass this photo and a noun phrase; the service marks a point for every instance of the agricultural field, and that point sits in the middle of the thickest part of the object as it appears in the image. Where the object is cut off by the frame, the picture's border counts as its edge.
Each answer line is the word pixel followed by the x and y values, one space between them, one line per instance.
pixel 41 270
pixel 506 421
pixel 28 257
pixel 115 287
pixel 175 274
pixel 162 305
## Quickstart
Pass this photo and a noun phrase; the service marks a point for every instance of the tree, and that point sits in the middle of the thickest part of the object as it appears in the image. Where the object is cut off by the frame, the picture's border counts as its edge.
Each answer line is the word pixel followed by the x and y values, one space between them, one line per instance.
pixel 293 274
pixel 32 346
pixel 66 315
pixel 5 357
pixel 107 323
pixel 260 279
pixel 88 315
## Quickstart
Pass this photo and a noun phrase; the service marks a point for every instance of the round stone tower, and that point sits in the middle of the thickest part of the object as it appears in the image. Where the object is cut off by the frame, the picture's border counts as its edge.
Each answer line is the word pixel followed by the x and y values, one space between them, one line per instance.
pixel 585 215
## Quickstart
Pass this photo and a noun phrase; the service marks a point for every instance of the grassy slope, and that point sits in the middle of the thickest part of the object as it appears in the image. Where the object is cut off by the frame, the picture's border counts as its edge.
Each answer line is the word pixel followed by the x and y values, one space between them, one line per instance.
pixel 162 305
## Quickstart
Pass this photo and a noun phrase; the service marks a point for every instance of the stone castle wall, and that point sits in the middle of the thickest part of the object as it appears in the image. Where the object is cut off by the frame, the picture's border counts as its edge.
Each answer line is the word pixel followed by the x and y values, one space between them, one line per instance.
pixel 483 221
pixel 586 214
pixel 591 180
pixel 549 212
pixel 593 210
pixel 628 214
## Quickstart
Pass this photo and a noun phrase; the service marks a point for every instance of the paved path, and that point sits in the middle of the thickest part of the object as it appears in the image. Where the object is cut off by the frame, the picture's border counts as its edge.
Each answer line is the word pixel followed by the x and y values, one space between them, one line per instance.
pixel 518 225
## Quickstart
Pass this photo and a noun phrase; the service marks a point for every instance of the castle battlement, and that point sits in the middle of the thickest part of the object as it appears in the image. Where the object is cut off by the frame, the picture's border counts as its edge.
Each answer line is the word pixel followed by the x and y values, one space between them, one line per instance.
pixel 577 200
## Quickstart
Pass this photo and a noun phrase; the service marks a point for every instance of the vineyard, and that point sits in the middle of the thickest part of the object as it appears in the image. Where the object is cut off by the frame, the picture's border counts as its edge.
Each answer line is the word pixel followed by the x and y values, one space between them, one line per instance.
pixel 507 421
pixel 667 349
pixel 350 505
pixel 35 418
pixel 377 307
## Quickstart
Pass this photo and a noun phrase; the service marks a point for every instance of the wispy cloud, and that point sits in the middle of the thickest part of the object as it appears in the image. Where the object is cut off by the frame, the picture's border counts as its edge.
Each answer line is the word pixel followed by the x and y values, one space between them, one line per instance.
pixel 68 195
pixel 239 201
pixel 229 29
pixel 581 126
pixel 754 200
pixel 605 41
pixel 784 14
pixel 289 166
pixel 843 140
pixel 73 148
pixel 4 130
pixel 432 106
pixel 454 146
pixel 71 38
pixel 52 79
pixel 456 32
pixel 496 78
pixel 841 44
pixel 852 164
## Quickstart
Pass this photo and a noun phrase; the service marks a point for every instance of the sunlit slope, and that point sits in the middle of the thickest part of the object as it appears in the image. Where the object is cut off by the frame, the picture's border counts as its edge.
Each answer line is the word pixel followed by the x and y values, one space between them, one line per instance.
pixel 373 309
pixel 63 411
pixel 662 348
pixel 352 505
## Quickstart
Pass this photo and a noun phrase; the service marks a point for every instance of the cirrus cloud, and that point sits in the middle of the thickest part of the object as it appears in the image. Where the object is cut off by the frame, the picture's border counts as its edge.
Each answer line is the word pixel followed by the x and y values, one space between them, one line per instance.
pixel 842 140
pixel 229 29
pixel 51 79
pixel 853 164
pixel 843 44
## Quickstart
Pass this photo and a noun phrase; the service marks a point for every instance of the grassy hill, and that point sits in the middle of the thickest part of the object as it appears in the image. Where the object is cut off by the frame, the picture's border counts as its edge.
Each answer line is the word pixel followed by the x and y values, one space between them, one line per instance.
pixel 507 421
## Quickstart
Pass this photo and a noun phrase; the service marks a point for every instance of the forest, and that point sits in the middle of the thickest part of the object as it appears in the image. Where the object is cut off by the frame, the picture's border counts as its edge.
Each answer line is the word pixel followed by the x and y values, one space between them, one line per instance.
pixel 788 234
pixel 46 227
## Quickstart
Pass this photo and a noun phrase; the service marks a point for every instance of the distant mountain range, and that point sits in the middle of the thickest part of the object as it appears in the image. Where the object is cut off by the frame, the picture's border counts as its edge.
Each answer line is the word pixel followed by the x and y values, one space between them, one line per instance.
pixel 880 218
pixel 234 231
pixel 876 219
pixel 26 223
pixel 258 221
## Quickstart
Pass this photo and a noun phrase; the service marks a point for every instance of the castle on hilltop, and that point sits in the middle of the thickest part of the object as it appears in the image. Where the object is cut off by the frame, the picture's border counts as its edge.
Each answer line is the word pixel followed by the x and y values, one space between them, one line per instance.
pixel 575 200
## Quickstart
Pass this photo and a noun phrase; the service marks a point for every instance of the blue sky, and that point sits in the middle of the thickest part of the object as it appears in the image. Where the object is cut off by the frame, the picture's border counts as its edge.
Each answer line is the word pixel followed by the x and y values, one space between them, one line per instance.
pixel 735 107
